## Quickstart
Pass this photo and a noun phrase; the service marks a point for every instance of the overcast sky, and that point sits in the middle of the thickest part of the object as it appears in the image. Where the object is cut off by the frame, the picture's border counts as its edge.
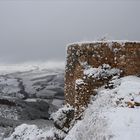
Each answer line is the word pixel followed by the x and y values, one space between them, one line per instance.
pixel 38 30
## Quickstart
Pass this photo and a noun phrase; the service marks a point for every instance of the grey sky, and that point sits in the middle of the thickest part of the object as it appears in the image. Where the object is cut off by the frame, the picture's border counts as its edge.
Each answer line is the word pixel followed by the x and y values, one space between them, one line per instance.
pixel 38 30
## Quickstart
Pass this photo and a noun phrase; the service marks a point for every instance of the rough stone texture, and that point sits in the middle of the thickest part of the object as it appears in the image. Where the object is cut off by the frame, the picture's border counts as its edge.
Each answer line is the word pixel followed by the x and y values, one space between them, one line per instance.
pixel 120 55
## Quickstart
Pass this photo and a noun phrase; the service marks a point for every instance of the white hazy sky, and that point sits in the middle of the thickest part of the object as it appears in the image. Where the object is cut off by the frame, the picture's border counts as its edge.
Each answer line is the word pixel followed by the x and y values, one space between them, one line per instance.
pixel 38 30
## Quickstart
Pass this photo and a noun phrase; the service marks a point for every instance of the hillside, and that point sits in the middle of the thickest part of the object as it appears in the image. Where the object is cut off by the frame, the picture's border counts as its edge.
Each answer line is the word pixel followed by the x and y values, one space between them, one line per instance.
pixel 29 94
pixel 113 114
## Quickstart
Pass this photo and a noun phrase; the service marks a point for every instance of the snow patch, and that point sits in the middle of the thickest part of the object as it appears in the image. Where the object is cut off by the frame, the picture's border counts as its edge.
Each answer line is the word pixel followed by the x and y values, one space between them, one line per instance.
pixel 103 71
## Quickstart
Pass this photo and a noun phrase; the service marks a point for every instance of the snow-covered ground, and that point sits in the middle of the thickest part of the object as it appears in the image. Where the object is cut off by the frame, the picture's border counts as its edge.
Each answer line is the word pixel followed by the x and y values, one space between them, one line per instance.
pixel 113 114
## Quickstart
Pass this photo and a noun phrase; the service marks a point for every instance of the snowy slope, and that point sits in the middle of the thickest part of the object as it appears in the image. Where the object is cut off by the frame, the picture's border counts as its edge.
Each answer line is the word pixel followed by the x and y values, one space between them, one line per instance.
pixel 113 113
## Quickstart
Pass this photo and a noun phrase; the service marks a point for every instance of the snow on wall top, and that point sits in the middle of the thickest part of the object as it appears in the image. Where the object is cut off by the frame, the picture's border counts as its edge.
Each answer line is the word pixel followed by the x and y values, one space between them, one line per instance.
pixel 80 43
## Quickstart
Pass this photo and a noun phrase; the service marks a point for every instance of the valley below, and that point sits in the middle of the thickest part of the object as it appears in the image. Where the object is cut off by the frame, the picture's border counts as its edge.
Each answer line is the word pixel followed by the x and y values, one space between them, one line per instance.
pixel 29 96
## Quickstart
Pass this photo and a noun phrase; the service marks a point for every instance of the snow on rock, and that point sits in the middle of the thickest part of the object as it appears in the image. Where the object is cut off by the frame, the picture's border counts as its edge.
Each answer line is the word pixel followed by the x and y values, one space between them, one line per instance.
pixel 109 42
pixel 109 116
pixel 25 131
pixel 128 92
pixel 30 132
pixel 103 71
pixel 63 117
pixel 79 82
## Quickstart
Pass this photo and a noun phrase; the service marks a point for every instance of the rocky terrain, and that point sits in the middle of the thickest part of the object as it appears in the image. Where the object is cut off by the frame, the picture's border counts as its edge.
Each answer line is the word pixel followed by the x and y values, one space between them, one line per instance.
pixel 29 95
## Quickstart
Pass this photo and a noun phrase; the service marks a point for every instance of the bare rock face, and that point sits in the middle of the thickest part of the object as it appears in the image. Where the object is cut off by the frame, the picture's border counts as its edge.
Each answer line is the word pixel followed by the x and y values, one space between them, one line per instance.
pixel 92 64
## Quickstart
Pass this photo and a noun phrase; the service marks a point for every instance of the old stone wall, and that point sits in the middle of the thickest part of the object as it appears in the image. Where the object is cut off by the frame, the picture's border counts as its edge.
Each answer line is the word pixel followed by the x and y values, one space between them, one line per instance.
pixel 91 65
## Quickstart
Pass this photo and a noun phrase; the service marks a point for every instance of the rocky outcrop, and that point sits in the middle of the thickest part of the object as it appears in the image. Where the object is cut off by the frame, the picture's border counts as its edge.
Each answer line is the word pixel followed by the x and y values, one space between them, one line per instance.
pixel 92 64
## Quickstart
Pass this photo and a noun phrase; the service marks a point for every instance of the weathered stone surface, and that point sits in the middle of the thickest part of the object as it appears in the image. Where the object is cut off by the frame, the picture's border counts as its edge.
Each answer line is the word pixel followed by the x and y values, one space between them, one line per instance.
pixel 124 56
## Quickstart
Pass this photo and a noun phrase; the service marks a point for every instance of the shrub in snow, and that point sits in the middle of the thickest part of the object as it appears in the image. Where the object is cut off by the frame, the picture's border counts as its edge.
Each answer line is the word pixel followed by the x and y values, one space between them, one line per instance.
pixel 113 83
pixel 25 131
pixel 63 118
pixel 102 72
pixel 32 132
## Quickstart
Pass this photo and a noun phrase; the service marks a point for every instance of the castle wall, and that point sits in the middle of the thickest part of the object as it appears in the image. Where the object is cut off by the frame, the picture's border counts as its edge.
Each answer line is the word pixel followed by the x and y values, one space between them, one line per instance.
pixel 86 62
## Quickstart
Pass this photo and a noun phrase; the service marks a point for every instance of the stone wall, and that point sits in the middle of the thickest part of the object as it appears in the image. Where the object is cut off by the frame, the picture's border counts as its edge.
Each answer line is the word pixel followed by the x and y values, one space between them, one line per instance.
pixel 86 61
